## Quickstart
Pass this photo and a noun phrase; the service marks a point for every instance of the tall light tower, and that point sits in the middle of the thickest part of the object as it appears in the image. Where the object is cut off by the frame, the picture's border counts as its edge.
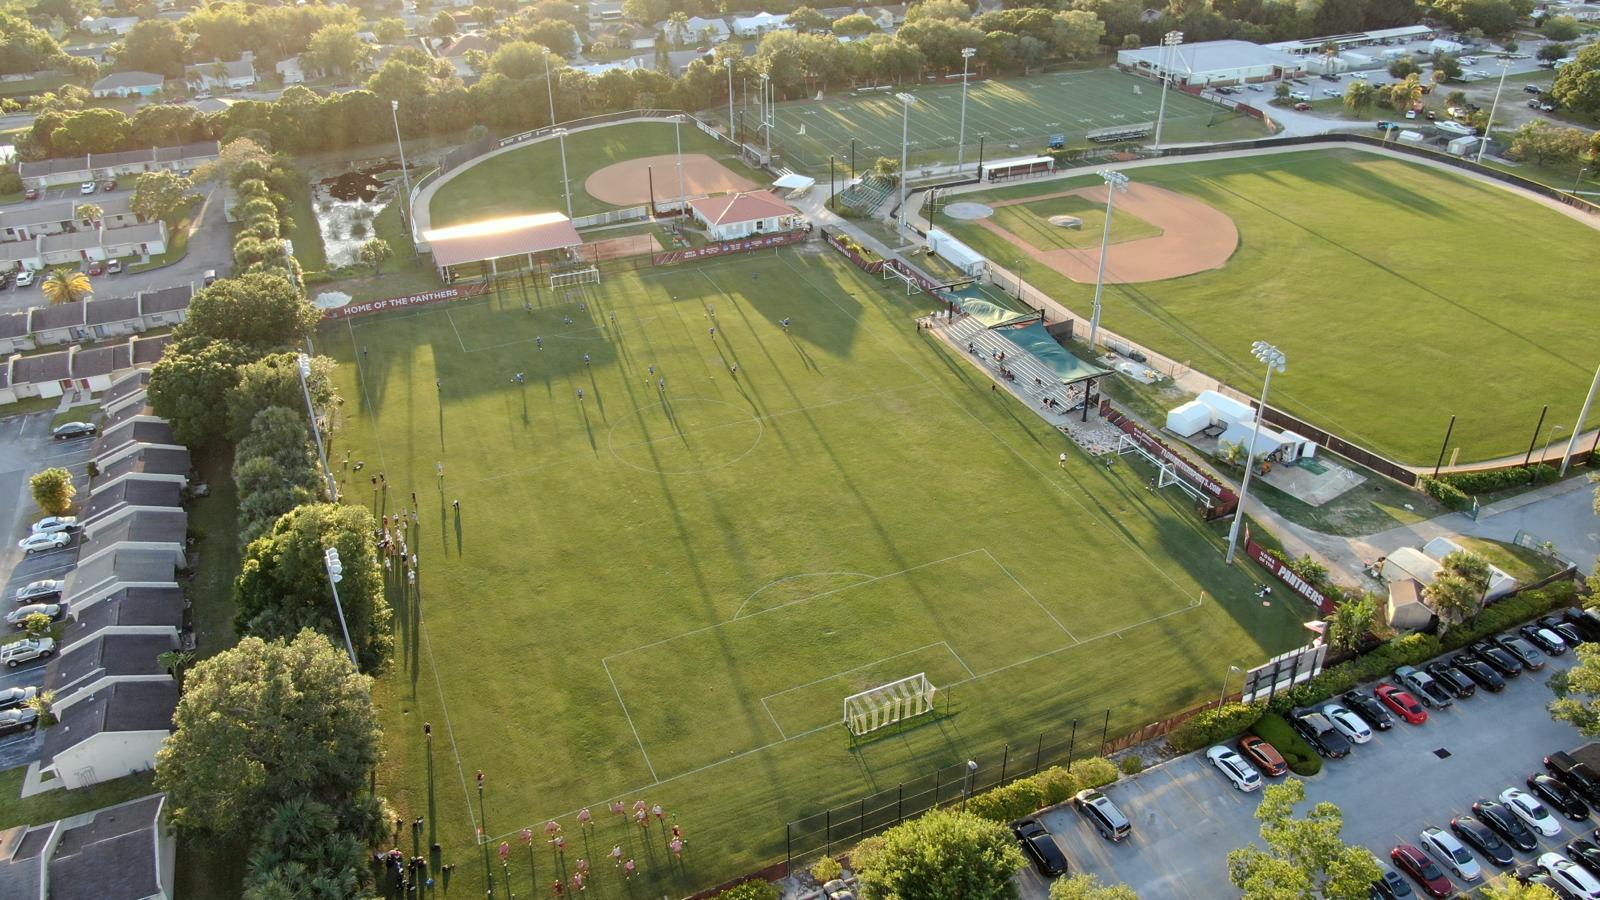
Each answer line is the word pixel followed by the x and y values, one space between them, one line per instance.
pixel 683 195
pixel 905 133
pixel 549 88
pixel 405 174
pixel 967 53
pixel 731 135
pixel 1116 182
pixel 1505 66
pixel 1274 359
pixel 766 112
pixel 304 362
pixel 1169 45
pixel 566 186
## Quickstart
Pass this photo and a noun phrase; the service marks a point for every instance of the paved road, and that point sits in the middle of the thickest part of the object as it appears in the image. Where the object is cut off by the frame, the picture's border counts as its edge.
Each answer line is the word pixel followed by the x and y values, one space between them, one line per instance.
pixel 1187 818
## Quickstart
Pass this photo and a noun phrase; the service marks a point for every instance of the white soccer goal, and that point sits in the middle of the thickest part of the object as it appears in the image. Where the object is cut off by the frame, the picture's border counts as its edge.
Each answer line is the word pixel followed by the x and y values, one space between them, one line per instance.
pixel 887 704
pixel 590 275
pixel 911 286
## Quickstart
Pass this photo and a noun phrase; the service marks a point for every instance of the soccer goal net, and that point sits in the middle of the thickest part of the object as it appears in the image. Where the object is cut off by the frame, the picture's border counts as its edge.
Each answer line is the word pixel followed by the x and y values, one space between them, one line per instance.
pixel 889 703
pixel 911 286
pixel 590 275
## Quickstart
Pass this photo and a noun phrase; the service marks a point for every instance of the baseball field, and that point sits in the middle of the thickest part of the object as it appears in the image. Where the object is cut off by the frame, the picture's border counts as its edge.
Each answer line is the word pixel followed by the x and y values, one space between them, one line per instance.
pixel 677 550
pixel 1402 294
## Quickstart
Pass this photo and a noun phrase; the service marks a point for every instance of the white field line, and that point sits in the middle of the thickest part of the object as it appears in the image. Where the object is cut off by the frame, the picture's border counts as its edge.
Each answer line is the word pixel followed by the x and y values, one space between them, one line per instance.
pixel 642 751
pixel 777 581
pixel 1025 590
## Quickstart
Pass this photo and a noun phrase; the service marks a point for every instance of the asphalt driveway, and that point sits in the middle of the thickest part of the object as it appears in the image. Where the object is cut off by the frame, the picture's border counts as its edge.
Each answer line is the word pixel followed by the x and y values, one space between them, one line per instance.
pixel 1186 817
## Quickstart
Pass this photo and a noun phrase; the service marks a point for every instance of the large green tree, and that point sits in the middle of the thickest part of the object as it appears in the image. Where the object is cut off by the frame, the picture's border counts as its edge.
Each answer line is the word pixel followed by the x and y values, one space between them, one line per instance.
pixel 261 724
pixel 154 45
pixel 257 310
pixel 1577 84
pixel 939 855
pixel 283 586
pixel 274 470
pixel 156 194
pixel 336 49
pixel 190 384
pixel 53 490
pixel 1305 857
pixel 1084 886
pixel 274 380
pixel 1578 692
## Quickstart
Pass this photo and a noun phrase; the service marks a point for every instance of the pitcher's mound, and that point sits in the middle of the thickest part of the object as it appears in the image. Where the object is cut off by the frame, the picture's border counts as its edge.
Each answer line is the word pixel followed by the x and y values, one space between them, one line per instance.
pixel 628 183
pixel 968 210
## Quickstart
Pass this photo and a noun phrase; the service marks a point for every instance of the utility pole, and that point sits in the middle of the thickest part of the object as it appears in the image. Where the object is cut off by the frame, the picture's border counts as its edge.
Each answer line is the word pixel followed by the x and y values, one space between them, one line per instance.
pixel 967 53
pixel 1274 359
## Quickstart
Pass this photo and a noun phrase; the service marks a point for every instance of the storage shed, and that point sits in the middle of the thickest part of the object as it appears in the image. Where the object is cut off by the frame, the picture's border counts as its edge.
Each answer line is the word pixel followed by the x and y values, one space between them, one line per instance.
pixel 1409 562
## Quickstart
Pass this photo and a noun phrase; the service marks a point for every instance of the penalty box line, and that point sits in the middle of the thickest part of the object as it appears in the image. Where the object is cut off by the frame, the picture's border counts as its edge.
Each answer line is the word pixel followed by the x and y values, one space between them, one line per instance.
pixel 800 687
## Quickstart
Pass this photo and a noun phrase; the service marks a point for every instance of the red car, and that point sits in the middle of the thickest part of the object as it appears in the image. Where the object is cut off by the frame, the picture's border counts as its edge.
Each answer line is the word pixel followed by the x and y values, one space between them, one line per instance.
pixel 1404 705
pixel 30 194
pixel 1265 756
pixel 1302 107
pixel 96 269
pixel 1422 870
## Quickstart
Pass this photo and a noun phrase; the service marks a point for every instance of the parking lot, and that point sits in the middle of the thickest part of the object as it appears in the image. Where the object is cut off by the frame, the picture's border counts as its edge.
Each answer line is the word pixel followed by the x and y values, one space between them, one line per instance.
pixel 1187 817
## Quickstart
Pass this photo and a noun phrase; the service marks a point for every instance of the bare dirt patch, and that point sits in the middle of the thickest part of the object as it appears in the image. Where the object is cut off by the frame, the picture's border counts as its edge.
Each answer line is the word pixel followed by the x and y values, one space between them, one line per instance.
pixel 628 183
pixel 1195 237
pixel 620 247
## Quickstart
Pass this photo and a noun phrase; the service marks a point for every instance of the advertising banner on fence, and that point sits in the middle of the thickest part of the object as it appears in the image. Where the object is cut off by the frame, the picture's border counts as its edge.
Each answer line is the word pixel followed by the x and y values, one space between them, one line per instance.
pixel 1192 473
pixel 1283 573
pixel 389 304
pixel 917 278
pixel 743 245
pixel 861 262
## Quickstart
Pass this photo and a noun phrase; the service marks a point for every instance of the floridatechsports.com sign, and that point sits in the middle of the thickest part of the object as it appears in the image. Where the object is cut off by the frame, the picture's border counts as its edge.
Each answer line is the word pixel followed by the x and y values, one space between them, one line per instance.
pixel 742 245
pixel 410 301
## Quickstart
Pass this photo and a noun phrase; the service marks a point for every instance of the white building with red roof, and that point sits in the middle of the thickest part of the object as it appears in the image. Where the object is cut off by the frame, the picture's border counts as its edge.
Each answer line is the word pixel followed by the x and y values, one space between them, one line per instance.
pixel 730 216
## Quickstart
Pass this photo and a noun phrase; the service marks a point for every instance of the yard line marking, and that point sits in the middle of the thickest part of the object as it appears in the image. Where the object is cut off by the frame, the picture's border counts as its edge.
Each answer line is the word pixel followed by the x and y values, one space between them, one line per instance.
pixel 629 716
pixel 452 320
pixel 1029 593
pixel 773 718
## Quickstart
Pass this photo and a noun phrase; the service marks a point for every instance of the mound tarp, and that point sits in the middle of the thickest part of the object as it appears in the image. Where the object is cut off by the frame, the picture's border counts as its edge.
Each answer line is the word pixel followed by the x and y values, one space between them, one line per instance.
pixel 1037 341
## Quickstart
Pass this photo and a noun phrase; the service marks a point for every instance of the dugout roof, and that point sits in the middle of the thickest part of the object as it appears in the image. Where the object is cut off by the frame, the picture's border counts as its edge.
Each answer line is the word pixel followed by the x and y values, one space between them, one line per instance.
pixel 495 238
pixel 1037 341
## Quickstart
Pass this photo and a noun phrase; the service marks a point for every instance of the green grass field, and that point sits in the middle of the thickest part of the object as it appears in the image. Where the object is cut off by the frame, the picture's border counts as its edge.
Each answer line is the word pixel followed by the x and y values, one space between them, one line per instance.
pixel 667 595
pixel 528 179
pixel 1385 282
pixel 1031 222
pixel 1023 112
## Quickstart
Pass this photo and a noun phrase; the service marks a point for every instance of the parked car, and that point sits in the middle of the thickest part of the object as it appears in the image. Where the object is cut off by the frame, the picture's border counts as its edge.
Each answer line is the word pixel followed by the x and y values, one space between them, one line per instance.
pixel 1482 838
pixel 1587 623
pixel 25 278
pixel 1585 853
pixel 1266 757
pixel 18 720
pixel 1576 775
pixel 1408 859
pixel 69 430
pixel 45 588
pixel 1496 657
pixel 1348 723
pixel 19 652
pixel 1558 795
pixel 53 524
pixel 41 543
pixel 1369 709
pixel 12 697
pixel 1387 126
pixel 1570 635
pixel 1320 734
pixel 1479 671
pixel 1390 887
pixel 109 186
pixel 1571 876
pixel 1546 640
pixel 1422 686
pixel 88 187
pixel 1506 824
pixel 17 618
pixel 1451 854
pixel 1403 704
pixel 1040 847
pixel 1234 768
pixel 1302 106
pixel 1532 89
pixel 1529 810
pixel 1451 679
pixel 30 194
pixel 114 267
pixel 1103 815
pixel 1526 653
pixel 97 269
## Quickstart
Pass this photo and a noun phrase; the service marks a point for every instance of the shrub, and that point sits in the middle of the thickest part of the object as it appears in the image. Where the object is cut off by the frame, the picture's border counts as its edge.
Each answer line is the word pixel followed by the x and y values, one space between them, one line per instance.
pixel 1131 765
pixel 1003 804
pixel 1444 492
pixel 1508 612
pixel 1275 730
pixel 1214 725
pixel 1501 479
pixel 826 870
pixel 1096 771
pixel 755 889
pixel 1057 784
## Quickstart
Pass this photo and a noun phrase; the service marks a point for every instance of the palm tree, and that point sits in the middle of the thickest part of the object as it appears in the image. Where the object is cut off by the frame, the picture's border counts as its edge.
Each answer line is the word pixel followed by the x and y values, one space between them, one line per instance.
pixel 43 703
pixel 91 213
pixel 64 284
pixel 175 661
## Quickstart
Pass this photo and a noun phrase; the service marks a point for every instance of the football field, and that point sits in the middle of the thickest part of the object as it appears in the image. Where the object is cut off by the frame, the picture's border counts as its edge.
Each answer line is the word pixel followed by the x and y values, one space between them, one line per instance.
pixel 1012 116
pixel 665 575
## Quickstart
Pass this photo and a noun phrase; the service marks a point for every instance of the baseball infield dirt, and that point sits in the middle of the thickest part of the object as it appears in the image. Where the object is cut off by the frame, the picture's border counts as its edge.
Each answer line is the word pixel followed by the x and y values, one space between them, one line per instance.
pixel 1195 237
pixel 628 183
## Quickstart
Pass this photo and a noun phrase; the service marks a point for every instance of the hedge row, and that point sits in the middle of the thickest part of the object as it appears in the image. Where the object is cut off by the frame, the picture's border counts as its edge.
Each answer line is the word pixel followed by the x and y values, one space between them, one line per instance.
pixel 1276 730
pixel 754 889
pixel 1444 492
pixel 1048 788
pixel 1214 725
pixel 1488 482
pixel 1511 611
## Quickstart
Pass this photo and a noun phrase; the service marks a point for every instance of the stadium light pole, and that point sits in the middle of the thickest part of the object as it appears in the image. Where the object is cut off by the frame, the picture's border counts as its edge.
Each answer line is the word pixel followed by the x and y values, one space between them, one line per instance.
pixel 335 568
pixel 1505 66
pixel 1226 677
pixel 566 186
pixel 405 175
pixel 549 89
pixel 967 53
pixel 677 134
pixel 1169 44
pixel 1577 429
pixel 1274 359
pixel 1115 182
pixel 766 112
pixel 905 134
pixel 305 375
pixel 731 136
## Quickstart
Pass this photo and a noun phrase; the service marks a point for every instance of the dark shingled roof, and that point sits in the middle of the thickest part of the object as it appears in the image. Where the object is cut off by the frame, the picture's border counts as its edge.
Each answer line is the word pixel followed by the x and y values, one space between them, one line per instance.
pixel 108 655
pixel 124 706
pixel 60 315
pixel 113 856
pixel 151 461
pixel 13 325
pixel 129 607
pixel 149 349
pixel 166 299
pixel 123 385
pixel 131 491
pixel 111 309
pixel 92 361
pixel 42 368
pixel 128 411
pixel 142 431
pixel 133 565
pixel 167 525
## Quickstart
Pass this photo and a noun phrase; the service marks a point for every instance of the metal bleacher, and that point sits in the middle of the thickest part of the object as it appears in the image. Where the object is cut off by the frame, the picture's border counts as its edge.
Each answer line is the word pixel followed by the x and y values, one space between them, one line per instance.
pixel 1034 381
pixel 868 195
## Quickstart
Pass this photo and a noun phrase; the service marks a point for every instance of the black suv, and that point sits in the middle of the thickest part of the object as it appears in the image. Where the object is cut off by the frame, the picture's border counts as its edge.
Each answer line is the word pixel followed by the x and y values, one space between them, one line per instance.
pixel 1040 847
pixel 1320 734
pixel 1369 709
pixel 1458 683
pixel 1479 671
pixel 1575 775
pixel 1496 657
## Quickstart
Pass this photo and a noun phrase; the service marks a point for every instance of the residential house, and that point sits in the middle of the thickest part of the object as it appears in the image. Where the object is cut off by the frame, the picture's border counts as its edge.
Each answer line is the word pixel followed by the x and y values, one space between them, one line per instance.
pixel 455 51
pixel 129 492
pixel 290 71
pixel 113 732
pixel 108 25
pixel 62 323
pixel 60 170
pixel 100 166
pixel 18 255
pixel 99 53
pixel 759 24
pixel 147 350
pixel 168 306
pixel 71 248
pixel 144 240
pixel 130 387
pixel 41 375
pixel 14 336
pixel 124 852
pixel 140 430
pixel 93 367
pixel 129 610
pixel 166 462
pixel 77 672
pixel 730 216
pixel 127 567
pixel 24 223
pixel 128 84
pixel 111 317
pixel 233 75
pixel 153 528
pixel 116 211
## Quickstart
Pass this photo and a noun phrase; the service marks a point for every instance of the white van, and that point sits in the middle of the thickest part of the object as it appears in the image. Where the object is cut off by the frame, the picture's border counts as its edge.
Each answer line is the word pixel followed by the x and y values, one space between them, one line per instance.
pixel 1302 96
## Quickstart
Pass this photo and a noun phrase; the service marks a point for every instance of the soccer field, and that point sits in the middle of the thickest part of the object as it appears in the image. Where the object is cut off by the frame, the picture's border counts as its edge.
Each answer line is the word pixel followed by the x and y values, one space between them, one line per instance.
pixel 1401 294
pixel 1013 116
pixel 665 594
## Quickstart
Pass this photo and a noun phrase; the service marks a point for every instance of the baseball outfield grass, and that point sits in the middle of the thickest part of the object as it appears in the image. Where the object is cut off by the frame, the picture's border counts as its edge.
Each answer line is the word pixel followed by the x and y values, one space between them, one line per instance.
pixel 664 592
pixel 1401 294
